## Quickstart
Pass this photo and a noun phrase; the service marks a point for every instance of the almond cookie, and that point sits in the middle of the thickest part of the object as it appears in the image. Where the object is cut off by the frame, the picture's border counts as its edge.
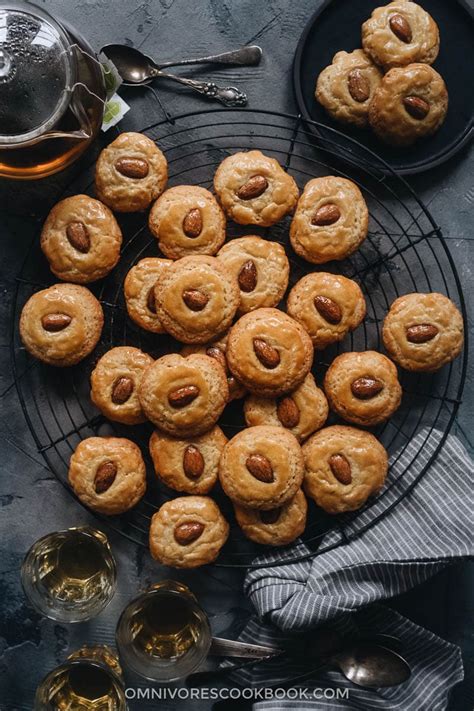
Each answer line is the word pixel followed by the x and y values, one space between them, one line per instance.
pixel 261 467
pixel 363 387
pixel 108 474
pixel 302 412
pixel 327 305
pixel 217 350
pixel 410 103
pixel 254 189
pixel 187 220
pixel 196 299
pixel 184 396
pixel 423 332
pixel 130 173
pixel 188 532
pixel 81 239
pixel 114 384
pixel 346 86
pixel 261 268
pixel 269 352
pixel 188 465
pixel 61 325
pixel 139 289
pixel 274 527
pixel 400 33
pixel 331 220
pixel 343 467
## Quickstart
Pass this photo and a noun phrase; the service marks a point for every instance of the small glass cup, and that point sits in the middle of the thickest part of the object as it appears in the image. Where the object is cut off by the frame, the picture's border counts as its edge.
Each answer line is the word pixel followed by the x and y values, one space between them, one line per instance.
pixel 70 575
pixel 89 680
pixel 163 634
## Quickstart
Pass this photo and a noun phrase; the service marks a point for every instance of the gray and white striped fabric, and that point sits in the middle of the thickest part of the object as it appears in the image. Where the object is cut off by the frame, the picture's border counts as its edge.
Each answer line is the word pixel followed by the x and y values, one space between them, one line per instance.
pixel 429 529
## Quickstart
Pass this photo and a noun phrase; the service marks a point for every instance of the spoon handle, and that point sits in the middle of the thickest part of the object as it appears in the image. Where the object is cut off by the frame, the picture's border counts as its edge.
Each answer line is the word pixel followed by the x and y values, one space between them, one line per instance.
pixel 233 648
pixel 229 95
pixel 244 57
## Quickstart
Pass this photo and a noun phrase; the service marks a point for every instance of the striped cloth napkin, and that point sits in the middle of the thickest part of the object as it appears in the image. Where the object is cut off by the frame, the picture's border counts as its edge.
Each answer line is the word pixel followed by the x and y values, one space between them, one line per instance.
pixel 429 529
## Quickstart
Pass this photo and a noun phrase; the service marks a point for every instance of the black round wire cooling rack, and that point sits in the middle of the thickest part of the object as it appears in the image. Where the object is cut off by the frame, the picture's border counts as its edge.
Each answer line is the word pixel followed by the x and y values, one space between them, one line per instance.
pixel 404 252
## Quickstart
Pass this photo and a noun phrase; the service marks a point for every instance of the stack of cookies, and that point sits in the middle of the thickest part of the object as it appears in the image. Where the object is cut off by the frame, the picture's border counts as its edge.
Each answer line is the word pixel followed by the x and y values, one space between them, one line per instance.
pixel 389 84
pixel 219 302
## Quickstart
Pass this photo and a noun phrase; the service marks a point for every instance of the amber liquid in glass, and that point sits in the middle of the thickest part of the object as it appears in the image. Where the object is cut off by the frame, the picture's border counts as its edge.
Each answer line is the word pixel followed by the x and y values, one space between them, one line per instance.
pixel 74 569
pixel 165 626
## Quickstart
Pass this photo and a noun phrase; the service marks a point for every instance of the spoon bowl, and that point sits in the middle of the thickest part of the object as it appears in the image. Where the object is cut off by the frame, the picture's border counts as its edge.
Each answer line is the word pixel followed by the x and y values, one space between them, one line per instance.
pixel 371 665
pixel 133 66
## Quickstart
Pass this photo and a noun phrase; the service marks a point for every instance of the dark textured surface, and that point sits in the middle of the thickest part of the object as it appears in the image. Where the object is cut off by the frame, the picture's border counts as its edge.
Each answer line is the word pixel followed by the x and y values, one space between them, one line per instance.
pixel 32 501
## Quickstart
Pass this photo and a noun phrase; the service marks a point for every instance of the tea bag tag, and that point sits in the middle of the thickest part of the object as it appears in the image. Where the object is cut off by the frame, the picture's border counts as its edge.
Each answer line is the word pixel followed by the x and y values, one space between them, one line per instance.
pixel 115 107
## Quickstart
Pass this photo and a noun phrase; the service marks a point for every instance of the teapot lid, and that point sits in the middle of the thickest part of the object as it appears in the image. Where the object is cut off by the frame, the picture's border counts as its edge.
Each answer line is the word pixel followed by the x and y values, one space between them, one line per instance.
pixel 36 71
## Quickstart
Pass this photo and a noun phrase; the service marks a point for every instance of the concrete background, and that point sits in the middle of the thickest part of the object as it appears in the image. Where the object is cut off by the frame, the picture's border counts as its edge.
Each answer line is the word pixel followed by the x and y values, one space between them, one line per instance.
pixel 32 501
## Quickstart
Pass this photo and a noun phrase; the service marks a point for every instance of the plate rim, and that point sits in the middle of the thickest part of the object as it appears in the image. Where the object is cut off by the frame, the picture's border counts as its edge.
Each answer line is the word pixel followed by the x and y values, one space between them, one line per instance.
pixel 421 166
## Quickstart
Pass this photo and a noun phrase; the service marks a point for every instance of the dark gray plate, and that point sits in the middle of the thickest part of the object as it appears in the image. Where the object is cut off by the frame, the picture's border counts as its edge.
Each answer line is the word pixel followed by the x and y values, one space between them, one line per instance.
pixel 336 26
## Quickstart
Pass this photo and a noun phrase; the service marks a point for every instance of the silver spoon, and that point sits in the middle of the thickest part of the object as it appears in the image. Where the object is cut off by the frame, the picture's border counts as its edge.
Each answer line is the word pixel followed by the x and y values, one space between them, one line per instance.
pixel 137 69
pixel 364 663
pixel 132 60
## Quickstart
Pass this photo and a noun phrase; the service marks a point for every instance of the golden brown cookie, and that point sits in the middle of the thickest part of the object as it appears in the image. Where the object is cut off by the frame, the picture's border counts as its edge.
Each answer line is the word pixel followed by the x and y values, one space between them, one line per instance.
pixel 410 103
pixel 275 527
pixel 363 387
pixel 217 350
pixel 196 299
pixel 400 33
pixel 184 396
pixel 108 474
pixel 188 532
pixel 346 86
pixel 302 412
pixel 187 220
pixel 343 467
pixel 114 384
pixel 188 465
pixel 81 239
pixel 269 352
pixel 331 220
pixel 254 189
pixel 139 289
pixel 261 467
pixel 327 305
pixel 261 268
pixel 61 325
pixel 130 173
pixel 423 332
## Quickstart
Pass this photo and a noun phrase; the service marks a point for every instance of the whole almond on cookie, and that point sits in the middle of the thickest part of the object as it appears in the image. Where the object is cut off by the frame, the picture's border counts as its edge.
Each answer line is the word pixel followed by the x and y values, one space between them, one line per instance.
pixel 260 468
pixel 183 396
pixel 55 322
pixel 341 468
pixel 105 477
pixel 193 462
pixel 401 28
pixel 366 388
pixel 326 215
pixel 267 355
pixel 122 390
pixel 187 533
pixel 248 276
pixel 192 223
pixel 136 168
pixel 358 85
pixel 421 333
pixel 78 236
pixel 253 188
pixel 288 412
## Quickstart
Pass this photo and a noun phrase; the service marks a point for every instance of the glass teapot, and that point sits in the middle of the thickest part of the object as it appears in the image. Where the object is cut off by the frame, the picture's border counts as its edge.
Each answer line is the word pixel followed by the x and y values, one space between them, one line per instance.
pixel 52 92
